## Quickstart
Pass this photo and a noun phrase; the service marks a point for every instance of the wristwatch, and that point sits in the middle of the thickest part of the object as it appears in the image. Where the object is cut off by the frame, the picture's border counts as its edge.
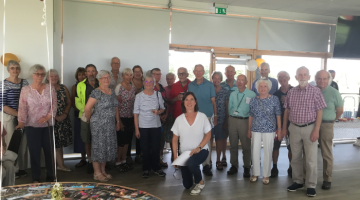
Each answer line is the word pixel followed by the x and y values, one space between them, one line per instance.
pixel 199 147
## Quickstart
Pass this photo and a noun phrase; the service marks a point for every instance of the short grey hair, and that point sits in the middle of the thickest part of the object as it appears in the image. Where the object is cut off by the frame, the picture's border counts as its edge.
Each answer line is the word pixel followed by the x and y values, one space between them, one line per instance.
pixel 127 71
pixel 36 68
pixel 265 63
pixel 150 76
pixel 102 73
pixel 263 80
pixel 302 67
pixel 218 73
pixel 200 66
pixel 283 72
pixel 170 74
pixel 329 76
pixel 12 62
pixel 183 68
pixel 51 71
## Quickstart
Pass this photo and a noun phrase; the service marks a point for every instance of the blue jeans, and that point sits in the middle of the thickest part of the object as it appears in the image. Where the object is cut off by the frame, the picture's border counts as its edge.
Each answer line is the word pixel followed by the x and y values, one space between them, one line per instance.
pixel 150 146
pixel 193 168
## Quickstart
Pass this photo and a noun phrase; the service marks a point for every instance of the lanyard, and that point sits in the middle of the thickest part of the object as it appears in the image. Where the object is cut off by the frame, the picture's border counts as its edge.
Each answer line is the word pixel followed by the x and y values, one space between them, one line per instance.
pixel 183 87
pixel 237 96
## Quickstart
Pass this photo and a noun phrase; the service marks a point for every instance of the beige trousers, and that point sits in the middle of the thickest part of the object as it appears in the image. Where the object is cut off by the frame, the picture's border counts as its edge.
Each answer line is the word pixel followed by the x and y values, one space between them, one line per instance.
pixel 238 131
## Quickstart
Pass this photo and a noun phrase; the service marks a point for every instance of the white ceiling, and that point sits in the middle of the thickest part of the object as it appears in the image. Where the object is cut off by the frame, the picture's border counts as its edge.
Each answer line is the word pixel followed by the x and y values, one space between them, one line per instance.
pixel 317 7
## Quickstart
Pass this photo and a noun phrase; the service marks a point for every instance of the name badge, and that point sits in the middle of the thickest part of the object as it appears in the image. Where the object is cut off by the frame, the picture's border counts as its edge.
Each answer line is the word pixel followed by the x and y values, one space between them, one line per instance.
pixel 248 100
pixel 235 113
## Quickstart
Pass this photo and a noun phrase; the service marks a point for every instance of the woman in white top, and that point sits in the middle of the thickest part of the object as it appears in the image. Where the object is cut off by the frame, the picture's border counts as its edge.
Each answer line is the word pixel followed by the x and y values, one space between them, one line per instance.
pixel 194 130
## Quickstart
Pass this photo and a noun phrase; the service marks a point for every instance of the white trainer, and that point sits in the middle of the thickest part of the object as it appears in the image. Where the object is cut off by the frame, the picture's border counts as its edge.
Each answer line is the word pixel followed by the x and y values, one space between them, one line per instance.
pixel 357 143
pixel 197 189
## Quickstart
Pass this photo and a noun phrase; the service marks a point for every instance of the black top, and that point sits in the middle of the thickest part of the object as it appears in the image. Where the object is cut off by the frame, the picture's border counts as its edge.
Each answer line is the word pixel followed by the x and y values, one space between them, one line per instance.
pixel 334 85
pixel 279 94
pixel 89 89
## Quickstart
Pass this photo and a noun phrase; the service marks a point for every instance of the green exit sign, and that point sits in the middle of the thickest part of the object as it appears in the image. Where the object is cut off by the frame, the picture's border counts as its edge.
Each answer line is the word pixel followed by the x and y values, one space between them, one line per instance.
pixel 220 11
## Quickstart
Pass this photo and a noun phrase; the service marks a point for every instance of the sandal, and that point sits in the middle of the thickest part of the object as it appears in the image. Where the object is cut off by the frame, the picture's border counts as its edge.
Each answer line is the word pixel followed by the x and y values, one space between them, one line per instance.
pixel 223 162
pixel 81 163
pixel 266 180
pixel 163 164
pixel 103 179
pixel 108 176
pixel 253 179
pixel 219 165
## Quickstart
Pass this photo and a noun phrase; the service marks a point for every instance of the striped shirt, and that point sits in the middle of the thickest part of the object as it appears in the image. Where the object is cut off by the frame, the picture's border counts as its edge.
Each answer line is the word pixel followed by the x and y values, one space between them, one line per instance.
pixel 144 104
pixel 304 104
pixel 11 94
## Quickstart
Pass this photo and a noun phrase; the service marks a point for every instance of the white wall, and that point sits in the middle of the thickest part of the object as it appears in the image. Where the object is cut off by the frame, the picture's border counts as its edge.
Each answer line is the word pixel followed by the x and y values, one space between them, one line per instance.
pixel 24 35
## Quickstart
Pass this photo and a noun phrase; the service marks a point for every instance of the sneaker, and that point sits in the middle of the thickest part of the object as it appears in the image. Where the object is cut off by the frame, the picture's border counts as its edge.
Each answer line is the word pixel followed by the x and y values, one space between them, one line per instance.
pixel 145 174
pixel 326 185
pixel 357 143
pixel 310 192
pixel 294 187
pixel 129 160
pixel 289 171
pixel 207 171
pixel 89 168
pixel 246 172
pixel 274 172
pixel 160 173
pixel 127 166
pixel 138 159
pixel 21 173
pixel 233 170
pixel 197 189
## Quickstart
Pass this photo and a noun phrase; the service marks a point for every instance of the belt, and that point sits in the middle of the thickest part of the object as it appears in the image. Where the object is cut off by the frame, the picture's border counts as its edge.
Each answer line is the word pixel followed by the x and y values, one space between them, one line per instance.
pixel 304 125
pixel 237 117
pixel 328 121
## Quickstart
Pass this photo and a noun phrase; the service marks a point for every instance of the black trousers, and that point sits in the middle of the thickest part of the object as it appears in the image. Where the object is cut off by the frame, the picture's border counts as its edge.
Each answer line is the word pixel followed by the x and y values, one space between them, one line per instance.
pixel 138 147
pixel 40 138
pixel 150 144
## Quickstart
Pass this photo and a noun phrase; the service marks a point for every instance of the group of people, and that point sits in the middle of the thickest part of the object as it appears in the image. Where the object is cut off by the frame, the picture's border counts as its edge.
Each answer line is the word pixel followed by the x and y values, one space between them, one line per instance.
pixel 113 106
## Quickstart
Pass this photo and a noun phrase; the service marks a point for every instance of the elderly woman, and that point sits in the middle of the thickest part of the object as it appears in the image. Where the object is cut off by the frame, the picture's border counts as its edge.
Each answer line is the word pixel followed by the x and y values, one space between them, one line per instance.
pixel 193 128
pixel 264 115
pixel 138 83
pixel 37 110
pixel 147 110
pixel 10 103
pixel 79 146
pixel 125 93
pixel 102 124
pixel 219 131
pixel 62 127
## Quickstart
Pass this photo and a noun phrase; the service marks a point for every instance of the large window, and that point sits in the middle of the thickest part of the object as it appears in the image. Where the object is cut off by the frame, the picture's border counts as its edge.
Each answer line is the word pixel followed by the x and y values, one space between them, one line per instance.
pixel 240 69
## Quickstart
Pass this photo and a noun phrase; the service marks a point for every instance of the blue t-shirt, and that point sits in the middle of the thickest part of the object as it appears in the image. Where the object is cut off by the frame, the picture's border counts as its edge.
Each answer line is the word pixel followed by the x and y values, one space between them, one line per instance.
pixel 274 87
pixel 261 121
pixel 203 92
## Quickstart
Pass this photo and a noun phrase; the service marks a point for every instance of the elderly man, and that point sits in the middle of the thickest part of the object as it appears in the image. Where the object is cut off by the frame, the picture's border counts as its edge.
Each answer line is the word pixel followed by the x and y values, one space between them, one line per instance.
pixel 115 75
pixel 230 82
pixel 238 126
pixel 264 71
pixel 204 91
pixel 304 106
pixel 333 111
pixel 283 78
pixel 83 91
pixel 178 89
pixel 333 83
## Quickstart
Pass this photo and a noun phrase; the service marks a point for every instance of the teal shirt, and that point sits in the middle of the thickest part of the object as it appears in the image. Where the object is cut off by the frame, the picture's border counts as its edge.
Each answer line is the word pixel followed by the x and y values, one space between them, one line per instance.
pixel 333 100
pixel 228 88
pixel 242 107
pixel 203 92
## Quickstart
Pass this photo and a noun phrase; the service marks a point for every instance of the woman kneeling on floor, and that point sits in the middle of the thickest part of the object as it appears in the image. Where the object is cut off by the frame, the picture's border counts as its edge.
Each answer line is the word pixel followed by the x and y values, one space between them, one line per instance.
pixel 194 131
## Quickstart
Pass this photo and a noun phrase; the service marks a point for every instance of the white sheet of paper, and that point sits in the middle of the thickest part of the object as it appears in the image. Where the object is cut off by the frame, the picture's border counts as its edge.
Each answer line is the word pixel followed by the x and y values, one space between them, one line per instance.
pixel 182 159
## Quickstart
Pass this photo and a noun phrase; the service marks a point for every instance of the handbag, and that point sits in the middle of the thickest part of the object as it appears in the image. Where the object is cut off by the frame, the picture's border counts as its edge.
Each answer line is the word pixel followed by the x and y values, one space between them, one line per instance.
pixel 16 122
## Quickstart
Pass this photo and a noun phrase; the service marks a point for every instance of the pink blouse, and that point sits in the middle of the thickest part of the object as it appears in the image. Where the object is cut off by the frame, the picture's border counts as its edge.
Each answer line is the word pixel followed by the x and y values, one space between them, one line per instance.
pixel 33 106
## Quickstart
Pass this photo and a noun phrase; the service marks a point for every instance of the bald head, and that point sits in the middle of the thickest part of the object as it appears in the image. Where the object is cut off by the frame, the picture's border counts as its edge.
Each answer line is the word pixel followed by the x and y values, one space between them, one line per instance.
pixel 115 63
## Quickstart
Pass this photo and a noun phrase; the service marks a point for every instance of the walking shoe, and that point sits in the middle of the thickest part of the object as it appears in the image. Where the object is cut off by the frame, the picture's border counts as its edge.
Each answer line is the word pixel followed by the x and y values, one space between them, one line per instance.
pixel 129 160
pixel 207 171
pixel 294 187
pixel 160 173
pixel 127 166
pixel 146 174
pixel 138 159
pixel 326 185
pixel 197 189
pixel 233 170
pixel 310 192
pixel 274 172
pixel 246 172
pixel 357 143
pixel 121 168
pixel 21 173
pixel 289 171
pixel 89 168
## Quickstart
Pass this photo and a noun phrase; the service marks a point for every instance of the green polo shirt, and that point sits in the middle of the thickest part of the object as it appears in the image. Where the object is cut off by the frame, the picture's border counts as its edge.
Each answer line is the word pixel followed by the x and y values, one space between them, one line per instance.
pixel 333 100
pixel 240 102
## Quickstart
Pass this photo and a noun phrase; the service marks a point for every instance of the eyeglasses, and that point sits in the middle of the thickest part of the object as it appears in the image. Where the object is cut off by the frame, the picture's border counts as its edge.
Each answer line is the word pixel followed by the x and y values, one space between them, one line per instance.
pixel 39 74
pixel 115 63
pixel 149 82
pixel 14 68
pixel 105 78
pixel 182 74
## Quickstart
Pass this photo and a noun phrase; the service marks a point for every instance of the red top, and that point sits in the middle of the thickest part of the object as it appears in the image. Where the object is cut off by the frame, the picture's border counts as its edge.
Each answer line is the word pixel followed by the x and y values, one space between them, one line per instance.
pixel 176 88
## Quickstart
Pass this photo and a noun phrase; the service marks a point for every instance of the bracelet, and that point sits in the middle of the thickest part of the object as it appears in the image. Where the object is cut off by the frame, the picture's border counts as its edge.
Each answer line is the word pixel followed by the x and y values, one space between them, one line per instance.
pixel 199 147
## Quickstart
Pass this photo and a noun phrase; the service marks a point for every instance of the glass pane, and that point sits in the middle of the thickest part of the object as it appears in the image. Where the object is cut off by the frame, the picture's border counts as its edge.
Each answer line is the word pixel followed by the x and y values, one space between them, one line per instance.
pixel 347 72
pixel 240 69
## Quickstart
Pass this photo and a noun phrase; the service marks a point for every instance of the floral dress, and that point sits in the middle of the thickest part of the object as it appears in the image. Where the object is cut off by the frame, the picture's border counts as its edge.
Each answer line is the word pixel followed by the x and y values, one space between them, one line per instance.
pixel 63 130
